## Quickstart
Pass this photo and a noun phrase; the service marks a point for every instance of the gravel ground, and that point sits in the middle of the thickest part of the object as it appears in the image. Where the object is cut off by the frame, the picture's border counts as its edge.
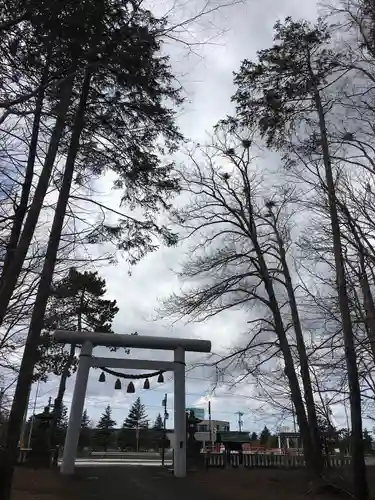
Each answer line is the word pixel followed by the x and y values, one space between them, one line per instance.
pixel 156 483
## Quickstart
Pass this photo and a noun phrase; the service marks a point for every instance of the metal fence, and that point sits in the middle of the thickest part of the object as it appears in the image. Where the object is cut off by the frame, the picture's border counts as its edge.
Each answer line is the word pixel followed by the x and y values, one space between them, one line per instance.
pixel 247 460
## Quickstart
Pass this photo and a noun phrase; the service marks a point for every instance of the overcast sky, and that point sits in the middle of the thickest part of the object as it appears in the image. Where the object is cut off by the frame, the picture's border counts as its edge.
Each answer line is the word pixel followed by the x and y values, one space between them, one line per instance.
pixel 207 80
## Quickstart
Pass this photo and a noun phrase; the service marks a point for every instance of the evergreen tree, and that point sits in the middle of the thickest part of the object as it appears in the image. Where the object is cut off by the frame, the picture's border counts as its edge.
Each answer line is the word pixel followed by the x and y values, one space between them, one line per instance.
pixel 324 423
pixel 117 96
pixel 367 439
pixel 76 303
pixel 61 426
pixel 126 439
pixel 264 436
pixel 137 418
pixel 254 436
pixel 62 421
pixel 85 432
pixel 273 441
pixel 104 429
pixel 86 422
pixel 159 424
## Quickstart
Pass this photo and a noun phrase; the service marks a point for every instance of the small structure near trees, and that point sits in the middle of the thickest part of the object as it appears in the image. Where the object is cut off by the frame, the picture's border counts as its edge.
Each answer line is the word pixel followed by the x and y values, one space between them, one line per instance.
pixel 40 454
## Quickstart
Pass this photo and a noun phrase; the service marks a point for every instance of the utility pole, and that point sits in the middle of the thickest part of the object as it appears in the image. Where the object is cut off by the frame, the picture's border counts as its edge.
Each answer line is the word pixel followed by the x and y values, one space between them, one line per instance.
pixel 240 421
pixel 210 424
pixel 166 416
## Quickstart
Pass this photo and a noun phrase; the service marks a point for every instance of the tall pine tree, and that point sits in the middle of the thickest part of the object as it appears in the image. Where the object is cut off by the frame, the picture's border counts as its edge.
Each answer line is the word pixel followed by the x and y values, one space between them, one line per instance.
pixel 264 436
pixel 159 424
pixel 254 436
pixel 137 418
pixel 61 425
pixel 85 432
pixel 86 422
pixel 76 303
pixel 117 96
pixel 104 430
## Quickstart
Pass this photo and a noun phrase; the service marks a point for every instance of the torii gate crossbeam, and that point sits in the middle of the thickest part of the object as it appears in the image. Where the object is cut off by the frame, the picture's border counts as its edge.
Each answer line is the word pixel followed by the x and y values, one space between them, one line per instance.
pixel 89 340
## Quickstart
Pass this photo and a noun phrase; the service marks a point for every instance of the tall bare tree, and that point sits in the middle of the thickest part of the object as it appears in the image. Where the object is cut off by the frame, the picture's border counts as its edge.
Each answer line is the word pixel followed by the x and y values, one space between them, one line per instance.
pixel 240 261
pixel 287 88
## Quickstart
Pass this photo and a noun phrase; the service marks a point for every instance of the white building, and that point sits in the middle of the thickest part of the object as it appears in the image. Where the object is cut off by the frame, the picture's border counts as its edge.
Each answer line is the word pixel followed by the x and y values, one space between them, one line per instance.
pixel 203 431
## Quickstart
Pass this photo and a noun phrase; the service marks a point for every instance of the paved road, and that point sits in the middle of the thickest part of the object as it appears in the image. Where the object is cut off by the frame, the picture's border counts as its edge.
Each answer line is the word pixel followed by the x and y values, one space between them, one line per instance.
pixel 142 459
pixel 150 455
pixel 100 462
pixel 100 459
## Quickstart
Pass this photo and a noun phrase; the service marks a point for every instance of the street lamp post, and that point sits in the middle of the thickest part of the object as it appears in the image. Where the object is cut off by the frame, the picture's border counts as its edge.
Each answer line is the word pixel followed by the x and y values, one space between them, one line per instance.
pixel 164 403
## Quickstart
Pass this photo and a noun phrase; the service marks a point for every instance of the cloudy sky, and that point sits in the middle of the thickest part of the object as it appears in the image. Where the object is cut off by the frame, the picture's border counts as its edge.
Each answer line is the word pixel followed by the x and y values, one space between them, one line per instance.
pixel 237 32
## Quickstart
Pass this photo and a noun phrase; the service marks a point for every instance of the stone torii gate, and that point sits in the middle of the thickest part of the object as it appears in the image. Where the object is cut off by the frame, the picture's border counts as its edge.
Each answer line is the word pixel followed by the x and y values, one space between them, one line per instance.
pixel 89 340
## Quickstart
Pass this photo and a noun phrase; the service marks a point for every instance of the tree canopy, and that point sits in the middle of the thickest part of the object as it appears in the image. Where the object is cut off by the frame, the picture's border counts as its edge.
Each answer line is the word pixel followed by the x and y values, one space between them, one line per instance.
pixel 77 302
pixel 104 436
pixel 137 417
pixel 158 424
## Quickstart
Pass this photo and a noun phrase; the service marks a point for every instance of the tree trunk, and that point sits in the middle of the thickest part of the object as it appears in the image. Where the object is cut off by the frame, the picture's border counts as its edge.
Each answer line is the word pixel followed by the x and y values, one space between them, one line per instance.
pixel 21 210
pixel 358 459
pixel 290 370
pixel 30 352
pixel 18 257
pixel 368 301
pixel 60 396
pixel 369 307
pixel 295 390
pixel 304 364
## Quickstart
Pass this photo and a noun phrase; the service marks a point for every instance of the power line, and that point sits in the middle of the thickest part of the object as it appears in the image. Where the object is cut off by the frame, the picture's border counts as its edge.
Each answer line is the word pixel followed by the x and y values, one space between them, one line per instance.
pixel 192 394
pixel 223 394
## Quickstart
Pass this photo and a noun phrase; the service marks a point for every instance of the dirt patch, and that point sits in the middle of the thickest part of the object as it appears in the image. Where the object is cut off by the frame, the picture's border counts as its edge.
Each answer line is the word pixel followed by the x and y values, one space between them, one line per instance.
pixel 155 483
pixel 42 484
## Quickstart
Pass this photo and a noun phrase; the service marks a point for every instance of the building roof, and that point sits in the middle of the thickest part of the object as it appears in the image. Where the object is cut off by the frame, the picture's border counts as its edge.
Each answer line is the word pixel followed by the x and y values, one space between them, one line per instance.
pixel 205 421
pixel 233 437
pixel 297 434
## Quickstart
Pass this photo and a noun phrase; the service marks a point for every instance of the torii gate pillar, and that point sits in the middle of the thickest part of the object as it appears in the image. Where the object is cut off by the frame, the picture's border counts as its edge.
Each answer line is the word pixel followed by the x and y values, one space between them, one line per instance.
pixel 76 410
pixel 89 340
